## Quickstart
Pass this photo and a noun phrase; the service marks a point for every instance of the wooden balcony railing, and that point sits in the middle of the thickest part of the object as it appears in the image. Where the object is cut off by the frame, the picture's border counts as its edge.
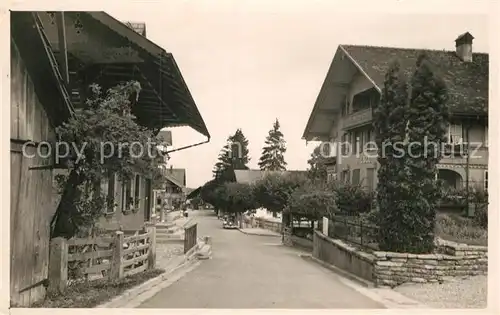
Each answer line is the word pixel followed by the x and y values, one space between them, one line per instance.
pixel 357 119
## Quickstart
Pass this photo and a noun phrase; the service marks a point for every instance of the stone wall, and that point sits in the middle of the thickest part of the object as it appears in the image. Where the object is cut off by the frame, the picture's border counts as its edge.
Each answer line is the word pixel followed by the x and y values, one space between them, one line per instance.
pixel 391 269
pixel 341 255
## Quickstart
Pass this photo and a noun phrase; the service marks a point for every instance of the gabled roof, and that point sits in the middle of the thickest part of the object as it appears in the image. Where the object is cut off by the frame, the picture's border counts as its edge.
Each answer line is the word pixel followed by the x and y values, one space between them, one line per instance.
pixel 467 82
pixel 252 176
pixel 177 176
pixel 193 193
pixel 108 52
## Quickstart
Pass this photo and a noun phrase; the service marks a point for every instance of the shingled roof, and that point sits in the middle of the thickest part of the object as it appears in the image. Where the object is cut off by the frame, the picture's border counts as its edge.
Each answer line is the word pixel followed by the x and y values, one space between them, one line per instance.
pixel 177 176
pixel 467 82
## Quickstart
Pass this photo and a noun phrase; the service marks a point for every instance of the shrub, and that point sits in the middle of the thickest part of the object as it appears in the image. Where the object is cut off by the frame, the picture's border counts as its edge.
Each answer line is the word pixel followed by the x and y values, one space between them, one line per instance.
pixel 479 197
pixel 352 199
pixel 453 197
pixel 312 205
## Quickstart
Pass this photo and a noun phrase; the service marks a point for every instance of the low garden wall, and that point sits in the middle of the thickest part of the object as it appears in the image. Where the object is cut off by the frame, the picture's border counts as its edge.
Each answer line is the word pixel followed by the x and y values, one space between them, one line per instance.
pixel 391 269
pixel 301 242
pixel 341 255
pixel 274 226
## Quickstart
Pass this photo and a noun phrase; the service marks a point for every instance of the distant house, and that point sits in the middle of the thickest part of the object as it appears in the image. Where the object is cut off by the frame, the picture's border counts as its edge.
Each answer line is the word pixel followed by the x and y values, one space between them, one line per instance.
pixel 55 56
pixel 175 185
pixel 343 109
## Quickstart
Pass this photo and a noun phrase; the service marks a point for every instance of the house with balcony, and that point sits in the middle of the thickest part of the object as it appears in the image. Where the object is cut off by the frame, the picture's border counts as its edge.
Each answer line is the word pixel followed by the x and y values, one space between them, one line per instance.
pixel 343 111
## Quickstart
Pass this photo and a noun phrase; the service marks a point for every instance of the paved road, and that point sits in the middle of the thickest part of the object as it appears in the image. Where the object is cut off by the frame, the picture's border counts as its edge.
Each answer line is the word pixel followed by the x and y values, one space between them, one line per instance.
pixel 249 271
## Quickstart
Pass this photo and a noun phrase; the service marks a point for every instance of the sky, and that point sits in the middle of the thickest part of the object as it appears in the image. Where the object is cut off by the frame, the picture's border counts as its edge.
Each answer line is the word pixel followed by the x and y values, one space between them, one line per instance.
pixel 248 63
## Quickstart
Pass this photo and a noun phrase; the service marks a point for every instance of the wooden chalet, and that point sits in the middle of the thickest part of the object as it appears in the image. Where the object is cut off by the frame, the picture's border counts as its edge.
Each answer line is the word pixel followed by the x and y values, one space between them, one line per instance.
pixel 55 56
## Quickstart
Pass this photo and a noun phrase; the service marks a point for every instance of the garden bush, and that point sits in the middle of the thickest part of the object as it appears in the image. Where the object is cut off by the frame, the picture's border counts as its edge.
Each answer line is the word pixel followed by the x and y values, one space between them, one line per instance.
pixel 479 197
pixel 352 199
pixel 312 205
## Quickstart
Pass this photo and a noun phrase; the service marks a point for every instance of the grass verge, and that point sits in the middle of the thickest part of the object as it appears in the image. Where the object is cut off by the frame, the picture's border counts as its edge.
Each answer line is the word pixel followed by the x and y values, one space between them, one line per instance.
pixel 93 293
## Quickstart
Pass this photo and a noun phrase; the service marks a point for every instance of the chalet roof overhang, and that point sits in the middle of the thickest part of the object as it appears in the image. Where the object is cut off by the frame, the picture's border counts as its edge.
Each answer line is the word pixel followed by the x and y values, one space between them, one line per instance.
pixel 27 35
pixel 195 193
pixel 107 52
pixel 332 96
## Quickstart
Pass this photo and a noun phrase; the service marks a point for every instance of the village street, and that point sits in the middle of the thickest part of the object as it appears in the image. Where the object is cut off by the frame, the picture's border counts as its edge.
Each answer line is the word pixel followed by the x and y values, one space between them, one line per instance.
pixel 250 271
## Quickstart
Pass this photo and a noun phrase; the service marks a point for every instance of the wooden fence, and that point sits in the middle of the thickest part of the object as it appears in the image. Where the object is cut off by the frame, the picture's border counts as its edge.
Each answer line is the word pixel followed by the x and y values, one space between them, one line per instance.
pixel 190 237
pixel 102 257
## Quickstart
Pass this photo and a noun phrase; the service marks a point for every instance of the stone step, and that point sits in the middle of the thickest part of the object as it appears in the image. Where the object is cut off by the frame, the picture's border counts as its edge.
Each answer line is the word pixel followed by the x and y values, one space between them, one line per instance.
pixel 171 231
pixel 162 226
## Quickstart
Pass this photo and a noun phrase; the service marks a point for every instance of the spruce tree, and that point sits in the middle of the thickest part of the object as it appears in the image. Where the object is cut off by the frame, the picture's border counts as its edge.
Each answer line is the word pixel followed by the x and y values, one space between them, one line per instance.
pixel 239 150
pixel 428 118
pixel 272 157
pixel 233 156
pixel 393 192
pixel 407 193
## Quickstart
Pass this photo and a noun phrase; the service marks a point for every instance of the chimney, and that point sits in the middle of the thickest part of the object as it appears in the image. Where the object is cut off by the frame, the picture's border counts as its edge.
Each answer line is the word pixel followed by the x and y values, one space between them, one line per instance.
pixel 139 27
pixel 464 46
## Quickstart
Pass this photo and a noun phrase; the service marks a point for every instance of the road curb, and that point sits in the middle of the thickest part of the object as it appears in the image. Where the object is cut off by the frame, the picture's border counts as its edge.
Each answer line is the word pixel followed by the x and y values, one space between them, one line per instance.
pixel 385 296
pixel 139 294
pixel 258 234
pixel 348 275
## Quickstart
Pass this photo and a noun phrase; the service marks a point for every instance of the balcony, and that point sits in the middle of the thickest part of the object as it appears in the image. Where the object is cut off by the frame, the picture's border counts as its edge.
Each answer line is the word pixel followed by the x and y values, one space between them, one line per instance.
pixel 357 119
pixel 457 155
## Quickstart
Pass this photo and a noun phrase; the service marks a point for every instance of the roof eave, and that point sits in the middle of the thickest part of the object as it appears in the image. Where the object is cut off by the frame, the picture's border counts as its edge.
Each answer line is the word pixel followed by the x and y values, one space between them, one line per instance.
pixel 306 135
pixel 156 52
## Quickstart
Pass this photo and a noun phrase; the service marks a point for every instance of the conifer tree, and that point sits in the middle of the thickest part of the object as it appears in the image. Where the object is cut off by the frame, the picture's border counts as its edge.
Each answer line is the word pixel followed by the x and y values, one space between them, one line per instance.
pixel 427 121
pixel 272 157
pixel 233 156
pixel 410 124
pixel 393 193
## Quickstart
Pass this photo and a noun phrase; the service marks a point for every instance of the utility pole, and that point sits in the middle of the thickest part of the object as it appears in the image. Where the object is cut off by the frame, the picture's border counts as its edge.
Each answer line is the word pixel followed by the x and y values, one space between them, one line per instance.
pixel 467 161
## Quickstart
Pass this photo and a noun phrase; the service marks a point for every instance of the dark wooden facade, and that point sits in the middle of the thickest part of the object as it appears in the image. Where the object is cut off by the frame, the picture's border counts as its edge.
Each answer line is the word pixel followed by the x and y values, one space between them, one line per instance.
pixel 37 106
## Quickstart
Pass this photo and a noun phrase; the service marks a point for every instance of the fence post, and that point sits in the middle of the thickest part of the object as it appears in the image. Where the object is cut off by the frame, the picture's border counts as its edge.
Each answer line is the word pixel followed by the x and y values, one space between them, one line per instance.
pixel 58 265
pixel 116 270
pixel 152 247
pixel 325 226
